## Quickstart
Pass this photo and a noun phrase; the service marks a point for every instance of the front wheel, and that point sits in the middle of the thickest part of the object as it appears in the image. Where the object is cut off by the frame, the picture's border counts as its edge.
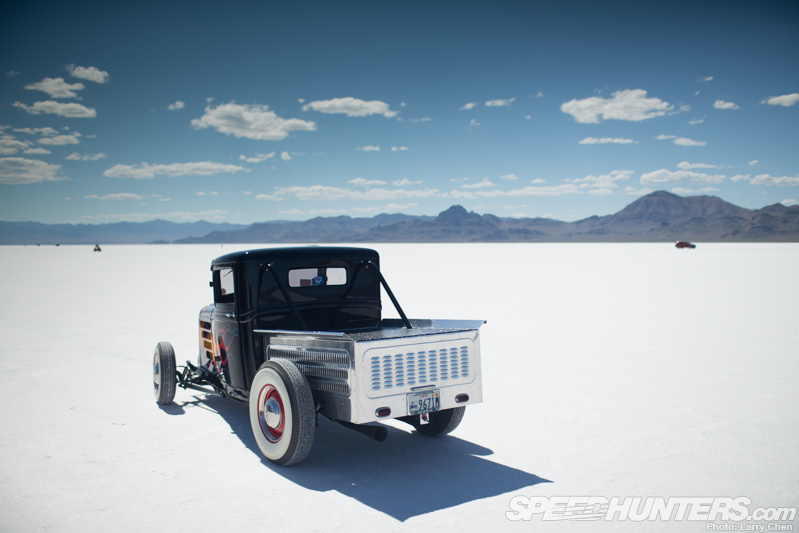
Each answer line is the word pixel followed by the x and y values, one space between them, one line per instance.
pixel 441 422
pixel 164 373
pixel 282 412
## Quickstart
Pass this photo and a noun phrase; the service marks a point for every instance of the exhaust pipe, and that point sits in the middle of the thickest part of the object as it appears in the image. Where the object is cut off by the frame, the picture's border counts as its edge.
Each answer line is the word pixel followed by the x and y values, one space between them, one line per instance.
pixel 378 433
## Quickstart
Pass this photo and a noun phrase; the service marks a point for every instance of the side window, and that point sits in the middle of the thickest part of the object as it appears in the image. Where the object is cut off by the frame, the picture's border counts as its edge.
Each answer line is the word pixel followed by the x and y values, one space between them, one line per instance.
pixel 317 277
pixel 224 288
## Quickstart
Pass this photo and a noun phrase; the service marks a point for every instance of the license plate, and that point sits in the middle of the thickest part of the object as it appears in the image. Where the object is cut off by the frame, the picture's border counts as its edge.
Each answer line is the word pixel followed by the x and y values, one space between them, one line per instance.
pixel 423 402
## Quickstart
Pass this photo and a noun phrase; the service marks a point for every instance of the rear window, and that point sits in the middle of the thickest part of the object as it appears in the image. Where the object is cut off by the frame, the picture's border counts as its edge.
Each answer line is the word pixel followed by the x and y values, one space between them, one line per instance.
pixel 317 277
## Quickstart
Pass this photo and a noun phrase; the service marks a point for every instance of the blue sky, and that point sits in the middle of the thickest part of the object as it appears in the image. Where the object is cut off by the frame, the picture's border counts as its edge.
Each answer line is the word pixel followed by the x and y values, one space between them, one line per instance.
pixel 251 111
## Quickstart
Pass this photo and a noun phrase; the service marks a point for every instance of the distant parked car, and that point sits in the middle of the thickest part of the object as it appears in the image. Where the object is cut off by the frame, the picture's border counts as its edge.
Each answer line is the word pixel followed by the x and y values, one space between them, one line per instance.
pixel 685 244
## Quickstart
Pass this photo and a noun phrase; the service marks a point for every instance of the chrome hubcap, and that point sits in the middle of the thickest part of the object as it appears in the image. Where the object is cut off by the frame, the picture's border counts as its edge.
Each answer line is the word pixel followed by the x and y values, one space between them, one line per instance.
pixel 272 413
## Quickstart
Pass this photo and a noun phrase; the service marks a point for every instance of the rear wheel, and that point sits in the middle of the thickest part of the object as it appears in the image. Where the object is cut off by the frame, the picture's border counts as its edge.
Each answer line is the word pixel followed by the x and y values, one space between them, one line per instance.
pixel 282 412
pixel 441 422
pixel 164 373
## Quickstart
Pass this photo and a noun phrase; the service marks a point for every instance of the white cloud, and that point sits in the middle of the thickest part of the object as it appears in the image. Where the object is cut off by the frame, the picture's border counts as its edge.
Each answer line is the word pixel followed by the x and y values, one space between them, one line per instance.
pixel 423 119
pixel 9 145
pixel 469 106
pixel 361 182
pixel 266 197
pixel 606 181
pixel 606 140
pixel 372 210
pixel 789 202
pixel 250 121
pixel 405 181
pixel 630 104
pixel 679 176
pixel 767 179
pixel 632 191
pixel 500 103
pixel 721 104
pixel 511 177
pixel 176 105
pixel 147 171
pixel 20 171
pixel 352 107
pixel 285 156
pixel 786 100
pixel 538 181
pixel 483 184
pixel 706 79
pixel 754 163
pixel 368 148
pixel 258 158
pixel 56 88
pixel 37 151
pixel 71 110
pixel 37 131
pixel 88 73
pixel 326 193
pixel 601 192
pixel 740 177
pixel 682 141
pixel 399 148
pixel 461 194
pixel 685 165
pixel 539 94
pixel 61 140
pixel 684 191
pixel 696 121
pixel 553 190
pixel 116 196
pixel 75 156
pixel 473 122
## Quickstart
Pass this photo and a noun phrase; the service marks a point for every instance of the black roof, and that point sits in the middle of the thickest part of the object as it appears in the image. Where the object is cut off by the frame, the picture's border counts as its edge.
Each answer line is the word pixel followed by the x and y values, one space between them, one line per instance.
pixel 297 253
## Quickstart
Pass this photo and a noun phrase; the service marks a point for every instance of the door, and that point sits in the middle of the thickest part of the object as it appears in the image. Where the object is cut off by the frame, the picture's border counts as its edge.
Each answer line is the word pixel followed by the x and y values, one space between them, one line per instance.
pixel 225 329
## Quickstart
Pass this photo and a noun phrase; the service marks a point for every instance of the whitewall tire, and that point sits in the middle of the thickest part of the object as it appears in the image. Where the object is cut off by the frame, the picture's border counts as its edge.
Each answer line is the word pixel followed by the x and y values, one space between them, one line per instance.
pixel 282 412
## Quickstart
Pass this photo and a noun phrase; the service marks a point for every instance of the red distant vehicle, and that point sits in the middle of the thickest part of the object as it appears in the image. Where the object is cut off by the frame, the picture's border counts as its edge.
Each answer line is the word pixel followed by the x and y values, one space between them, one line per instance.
pixel 685 244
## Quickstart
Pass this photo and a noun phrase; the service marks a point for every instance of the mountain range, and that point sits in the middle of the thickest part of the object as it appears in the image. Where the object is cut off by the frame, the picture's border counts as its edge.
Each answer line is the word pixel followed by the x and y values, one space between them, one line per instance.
pixel 656 217
pixel 154 231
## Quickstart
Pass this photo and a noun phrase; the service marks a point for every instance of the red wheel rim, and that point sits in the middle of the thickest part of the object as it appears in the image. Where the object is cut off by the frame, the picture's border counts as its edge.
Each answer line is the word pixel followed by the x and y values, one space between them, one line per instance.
pixel 271 415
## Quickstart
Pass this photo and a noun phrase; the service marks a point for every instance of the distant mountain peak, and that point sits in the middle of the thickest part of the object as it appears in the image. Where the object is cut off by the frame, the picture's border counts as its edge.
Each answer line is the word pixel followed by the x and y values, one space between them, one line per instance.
pixel 457 215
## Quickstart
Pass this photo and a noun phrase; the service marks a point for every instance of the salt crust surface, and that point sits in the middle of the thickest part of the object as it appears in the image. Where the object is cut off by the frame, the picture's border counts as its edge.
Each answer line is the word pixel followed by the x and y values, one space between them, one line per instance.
pixel 609 370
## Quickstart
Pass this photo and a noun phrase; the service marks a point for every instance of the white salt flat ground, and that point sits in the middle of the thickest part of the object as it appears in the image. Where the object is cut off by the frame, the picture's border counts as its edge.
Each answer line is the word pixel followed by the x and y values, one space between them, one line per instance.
pixel 609 370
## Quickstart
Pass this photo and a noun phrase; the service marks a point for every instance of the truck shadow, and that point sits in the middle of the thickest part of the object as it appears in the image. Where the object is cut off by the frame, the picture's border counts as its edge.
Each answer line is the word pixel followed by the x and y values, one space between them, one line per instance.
pixel 406 476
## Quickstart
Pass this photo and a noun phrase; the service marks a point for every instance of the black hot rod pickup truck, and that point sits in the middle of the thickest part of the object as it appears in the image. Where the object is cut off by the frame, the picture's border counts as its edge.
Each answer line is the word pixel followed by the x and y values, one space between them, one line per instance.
pixel 297 332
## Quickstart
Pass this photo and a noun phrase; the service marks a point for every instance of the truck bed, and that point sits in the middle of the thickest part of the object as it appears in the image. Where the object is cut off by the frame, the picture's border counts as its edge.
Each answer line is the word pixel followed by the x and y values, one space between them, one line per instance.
pixel 390 329
pixel 353 374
